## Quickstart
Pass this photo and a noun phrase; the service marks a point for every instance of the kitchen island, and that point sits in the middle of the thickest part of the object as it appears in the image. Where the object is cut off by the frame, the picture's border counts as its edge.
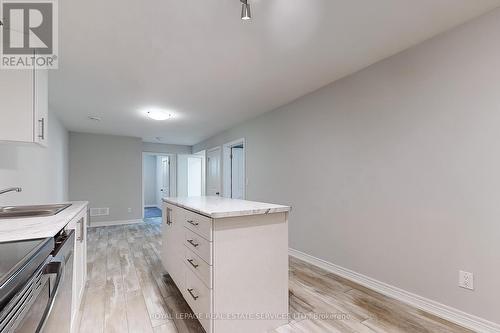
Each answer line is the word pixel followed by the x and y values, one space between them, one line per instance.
pixel 229 258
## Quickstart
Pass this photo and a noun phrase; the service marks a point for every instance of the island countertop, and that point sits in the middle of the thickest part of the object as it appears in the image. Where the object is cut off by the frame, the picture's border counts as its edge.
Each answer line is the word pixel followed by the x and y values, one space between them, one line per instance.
pixel 38 227
pixel 219 207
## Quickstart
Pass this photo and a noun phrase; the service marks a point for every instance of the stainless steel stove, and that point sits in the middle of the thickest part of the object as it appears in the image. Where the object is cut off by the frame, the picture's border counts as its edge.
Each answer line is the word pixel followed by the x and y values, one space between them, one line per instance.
pixel 18 261
pixel 35 284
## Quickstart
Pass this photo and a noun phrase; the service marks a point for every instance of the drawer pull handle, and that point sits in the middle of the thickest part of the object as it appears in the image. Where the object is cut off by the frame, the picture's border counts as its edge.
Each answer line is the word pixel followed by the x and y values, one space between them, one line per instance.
pixel 169 216
pixel 191 262
pixel 190 241
pixel 42 128
pixel 193 223
pixel 82 230
pixel 190 291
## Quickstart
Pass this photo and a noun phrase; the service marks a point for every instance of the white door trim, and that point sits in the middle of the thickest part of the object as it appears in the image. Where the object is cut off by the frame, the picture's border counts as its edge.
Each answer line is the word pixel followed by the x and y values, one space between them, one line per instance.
pixel 226 167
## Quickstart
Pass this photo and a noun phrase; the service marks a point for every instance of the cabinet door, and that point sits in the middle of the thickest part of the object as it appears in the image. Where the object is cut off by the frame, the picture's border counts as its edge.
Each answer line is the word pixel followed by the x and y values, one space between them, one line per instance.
pixel 16 105
pixel 41 106
pixel 172 245
pixel 79 224
pixel 81 254
pixel 167 238
pixel 24 105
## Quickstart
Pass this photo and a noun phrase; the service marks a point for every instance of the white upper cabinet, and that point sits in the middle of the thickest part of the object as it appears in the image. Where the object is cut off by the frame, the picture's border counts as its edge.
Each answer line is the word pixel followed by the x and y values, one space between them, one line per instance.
pixel 24 106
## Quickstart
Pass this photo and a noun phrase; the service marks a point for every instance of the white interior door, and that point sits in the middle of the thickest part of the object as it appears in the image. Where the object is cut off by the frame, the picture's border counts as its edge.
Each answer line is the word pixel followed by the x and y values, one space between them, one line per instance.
pixel 214 172
pixel 189 175
pixel 162 178
pixel 237 173
pixel 194 176
pixel 165 175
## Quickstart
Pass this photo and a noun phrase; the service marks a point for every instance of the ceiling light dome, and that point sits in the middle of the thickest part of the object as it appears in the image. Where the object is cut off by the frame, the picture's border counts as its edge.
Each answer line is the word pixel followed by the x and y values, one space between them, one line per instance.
pixel 158 114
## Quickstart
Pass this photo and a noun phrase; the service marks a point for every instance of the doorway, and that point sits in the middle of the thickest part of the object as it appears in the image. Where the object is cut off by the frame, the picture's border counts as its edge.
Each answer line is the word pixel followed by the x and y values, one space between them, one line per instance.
pixel 156 182
pixel 190 178
pixel 214 171
pixel 162 178
pixel 234 169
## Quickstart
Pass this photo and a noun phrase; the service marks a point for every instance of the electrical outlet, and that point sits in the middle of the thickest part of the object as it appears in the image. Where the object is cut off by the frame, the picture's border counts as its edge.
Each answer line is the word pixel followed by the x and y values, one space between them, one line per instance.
pixel 466 280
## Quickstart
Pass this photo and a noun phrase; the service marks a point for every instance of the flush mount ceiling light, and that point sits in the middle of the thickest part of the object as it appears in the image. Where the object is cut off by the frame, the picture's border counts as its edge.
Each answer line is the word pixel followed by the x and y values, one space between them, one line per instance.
pixel 158 114
pixel 245 10
pixel 95 118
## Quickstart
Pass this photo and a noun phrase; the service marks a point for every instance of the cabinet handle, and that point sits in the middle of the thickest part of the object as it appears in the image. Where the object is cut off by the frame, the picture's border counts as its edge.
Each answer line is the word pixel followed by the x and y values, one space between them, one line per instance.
pixel 190 241
pixel 193 223
pixel 190 291
pixel 82 230
pixel 169 216
pixel 191 262
pixel 42 128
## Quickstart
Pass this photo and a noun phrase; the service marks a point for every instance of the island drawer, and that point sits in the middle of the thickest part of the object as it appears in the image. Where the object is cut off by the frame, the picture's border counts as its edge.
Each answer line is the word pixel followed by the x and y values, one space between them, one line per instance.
pixel 198 266
pixel 198 296
pixel 200 224
pixel 199 245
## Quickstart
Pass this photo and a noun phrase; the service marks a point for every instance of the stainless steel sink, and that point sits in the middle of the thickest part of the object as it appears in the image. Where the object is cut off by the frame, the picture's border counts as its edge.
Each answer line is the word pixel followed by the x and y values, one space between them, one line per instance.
pixel 31 211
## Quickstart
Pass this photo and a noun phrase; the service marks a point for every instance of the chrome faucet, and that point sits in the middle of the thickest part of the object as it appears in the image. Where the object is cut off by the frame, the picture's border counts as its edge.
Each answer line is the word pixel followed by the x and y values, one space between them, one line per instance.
pixel 11 189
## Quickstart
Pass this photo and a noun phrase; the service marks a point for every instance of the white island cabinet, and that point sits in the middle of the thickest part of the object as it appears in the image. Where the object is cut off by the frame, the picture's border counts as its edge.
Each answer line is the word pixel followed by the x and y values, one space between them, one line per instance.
pixel 229 258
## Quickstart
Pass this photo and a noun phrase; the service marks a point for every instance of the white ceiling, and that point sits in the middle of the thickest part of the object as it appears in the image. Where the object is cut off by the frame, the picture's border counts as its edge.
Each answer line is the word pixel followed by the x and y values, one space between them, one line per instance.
pixel 198 58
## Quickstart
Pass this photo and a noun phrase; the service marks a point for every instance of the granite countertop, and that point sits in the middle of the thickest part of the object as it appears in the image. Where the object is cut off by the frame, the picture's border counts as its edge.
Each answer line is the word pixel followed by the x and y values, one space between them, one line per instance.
pixel 219 207
pixel 38 227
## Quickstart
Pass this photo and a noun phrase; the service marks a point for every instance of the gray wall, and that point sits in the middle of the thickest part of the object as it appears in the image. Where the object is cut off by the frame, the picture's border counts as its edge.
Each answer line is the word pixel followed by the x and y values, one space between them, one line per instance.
pixel 165 148
pixel 106 170
pixel 149 178
pixel 41 172
pixel 393 172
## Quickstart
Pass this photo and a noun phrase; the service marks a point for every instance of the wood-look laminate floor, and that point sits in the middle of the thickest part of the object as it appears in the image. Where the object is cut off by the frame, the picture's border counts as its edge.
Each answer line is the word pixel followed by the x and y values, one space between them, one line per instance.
pixel 129 291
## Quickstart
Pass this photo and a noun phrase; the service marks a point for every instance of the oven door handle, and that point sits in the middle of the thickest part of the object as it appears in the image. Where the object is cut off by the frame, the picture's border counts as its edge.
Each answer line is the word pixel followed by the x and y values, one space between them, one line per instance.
pixel 54 267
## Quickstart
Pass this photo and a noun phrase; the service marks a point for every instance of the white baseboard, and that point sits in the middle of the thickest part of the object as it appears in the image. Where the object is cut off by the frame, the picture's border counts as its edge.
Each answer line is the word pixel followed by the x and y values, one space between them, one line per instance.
pixel 110 223
pixel 443 311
